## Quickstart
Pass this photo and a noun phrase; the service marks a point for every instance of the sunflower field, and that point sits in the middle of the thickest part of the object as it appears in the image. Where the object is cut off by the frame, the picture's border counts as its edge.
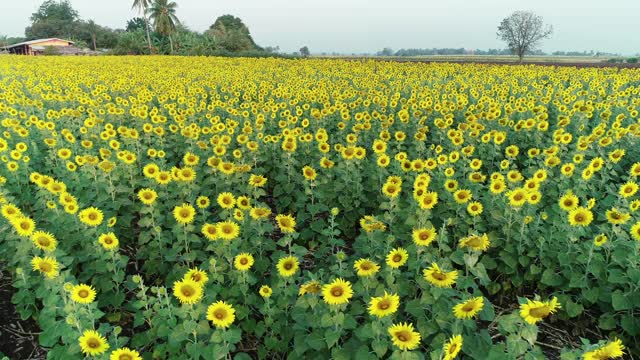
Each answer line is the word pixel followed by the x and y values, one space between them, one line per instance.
pixel 208 208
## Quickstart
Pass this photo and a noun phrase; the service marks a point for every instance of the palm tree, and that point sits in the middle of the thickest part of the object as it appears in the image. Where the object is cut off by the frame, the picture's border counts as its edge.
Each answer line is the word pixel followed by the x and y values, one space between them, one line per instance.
pixel 143 6
pixel 163 14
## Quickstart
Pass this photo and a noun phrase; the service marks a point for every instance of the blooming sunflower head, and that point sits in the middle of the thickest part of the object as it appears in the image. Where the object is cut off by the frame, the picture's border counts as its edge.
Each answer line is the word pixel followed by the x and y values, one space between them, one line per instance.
pixel 92 343
pixel 366 267
pixel 397 257
pixel 83 294
pixel 384 305
pixel 469 308
pixel 436 276
pixel 424 236
pixel 184 214
pixel 287 266
pixel 187 291
pixel 337 292
pixel 404 336
pixel 533 310
pixel 221 314
pixel 243 262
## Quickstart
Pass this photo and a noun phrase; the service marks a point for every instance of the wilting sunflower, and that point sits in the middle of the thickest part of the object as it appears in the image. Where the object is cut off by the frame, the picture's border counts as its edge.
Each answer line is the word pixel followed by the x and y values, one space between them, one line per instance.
pixel 384 305
pixel 469 308
pixel 265 291
pixel 47 265
pixel 147 196
pixel 83 294
pixel 287 266
pixel 439 278
pixel 366 267
pixel 221 314
pixel 404 336
pixel 44 241
pixel 312 287
pixel 397 257
pixel 109 241
pixel 125 354
pixel 228 230
pixel 580 216
pixel 286 223
pixel 424 236
pixel 243 262
pixel 600 240
pixel 226 200
pixel 91 216
pixel 475 242
pixel 92 343
pixel 198 276
pixel 612 350
pixel 616 217
pixel 187 291
pixel 533 310
pixel 23 225
pixel 452 347
pixel 210 231
pixel 337 292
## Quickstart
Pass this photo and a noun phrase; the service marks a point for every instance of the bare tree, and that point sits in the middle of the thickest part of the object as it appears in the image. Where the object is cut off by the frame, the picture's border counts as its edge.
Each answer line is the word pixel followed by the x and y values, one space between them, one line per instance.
pixel 522 31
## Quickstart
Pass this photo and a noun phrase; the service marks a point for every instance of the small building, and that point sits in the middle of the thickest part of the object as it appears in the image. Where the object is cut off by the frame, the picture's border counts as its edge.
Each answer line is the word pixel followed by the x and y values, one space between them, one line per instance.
pixel 38 47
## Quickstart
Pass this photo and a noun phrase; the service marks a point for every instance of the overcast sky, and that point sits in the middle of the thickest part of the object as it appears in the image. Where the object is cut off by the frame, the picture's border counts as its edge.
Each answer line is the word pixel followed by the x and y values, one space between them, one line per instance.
pixel 358 26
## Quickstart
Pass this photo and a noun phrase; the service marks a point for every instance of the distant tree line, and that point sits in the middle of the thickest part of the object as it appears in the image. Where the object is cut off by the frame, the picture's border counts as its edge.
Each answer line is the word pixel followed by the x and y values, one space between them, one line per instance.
pixel 157 31
pixel 494 52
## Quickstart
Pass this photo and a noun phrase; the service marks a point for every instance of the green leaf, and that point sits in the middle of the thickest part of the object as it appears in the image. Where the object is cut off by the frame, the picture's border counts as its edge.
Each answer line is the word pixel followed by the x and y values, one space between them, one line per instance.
pixel 549 277
pixel 332 336
pixel 315 340
pixel 620 301
pixel 573 309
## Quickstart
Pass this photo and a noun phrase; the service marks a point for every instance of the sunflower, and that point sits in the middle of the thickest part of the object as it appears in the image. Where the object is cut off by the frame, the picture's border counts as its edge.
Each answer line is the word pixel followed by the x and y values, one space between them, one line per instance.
pixel 228 230
pixel 497 187
pixel 628 189
pixel 568 201
pixel 243 262
pixel 44 241
pixel 257 180
pixel 611 350
pixel 286 223
pixel 184 214
pixel 265 291
pixel 475 242
pixel 580 216
pixel 616 217
pixel 397 257
pixel 600 240
pixel 46 265
pixel 203 202
pixel 287 266
pixel 311 287
pixel 404 336
pixel 243 203
pixel 462 196
pixel 428 200
pixel 125 354
pixel 221 314
pixel 109 241
pixel 10 211
pixel 226 200
pixel 91 216
pixel 198 276
pixel 451 185
pixel 187 291
pixel 439 278
pixel 517 197
pixel 92 343
pixel 452 347
pixel 475 208
pixel 337 292
pixel 23 225
pixel 635 170
pixel 391 190
pixel 534 311
pixel 83 294
pixel 384 305
pixel 635 231
pixel 424 236
pixel 366 267
pixel 469 308
pixel 257 213
pixel 309 173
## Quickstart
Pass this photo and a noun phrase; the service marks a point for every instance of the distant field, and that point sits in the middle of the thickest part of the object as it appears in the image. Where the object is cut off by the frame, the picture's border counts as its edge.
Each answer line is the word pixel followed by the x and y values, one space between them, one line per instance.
pixel 538 60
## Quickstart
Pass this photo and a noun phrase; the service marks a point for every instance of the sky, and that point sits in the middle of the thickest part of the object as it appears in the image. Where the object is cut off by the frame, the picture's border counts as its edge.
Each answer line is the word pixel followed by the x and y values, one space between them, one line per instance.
pixel 367 26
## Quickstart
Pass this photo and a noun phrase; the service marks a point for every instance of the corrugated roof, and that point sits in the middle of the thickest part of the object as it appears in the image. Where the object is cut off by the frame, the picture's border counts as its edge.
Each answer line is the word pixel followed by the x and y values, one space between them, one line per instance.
pixel 37 41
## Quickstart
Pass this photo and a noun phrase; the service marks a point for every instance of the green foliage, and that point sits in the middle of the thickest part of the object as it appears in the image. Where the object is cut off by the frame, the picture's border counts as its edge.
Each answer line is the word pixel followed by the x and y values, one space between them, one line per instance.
pixel 231 34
